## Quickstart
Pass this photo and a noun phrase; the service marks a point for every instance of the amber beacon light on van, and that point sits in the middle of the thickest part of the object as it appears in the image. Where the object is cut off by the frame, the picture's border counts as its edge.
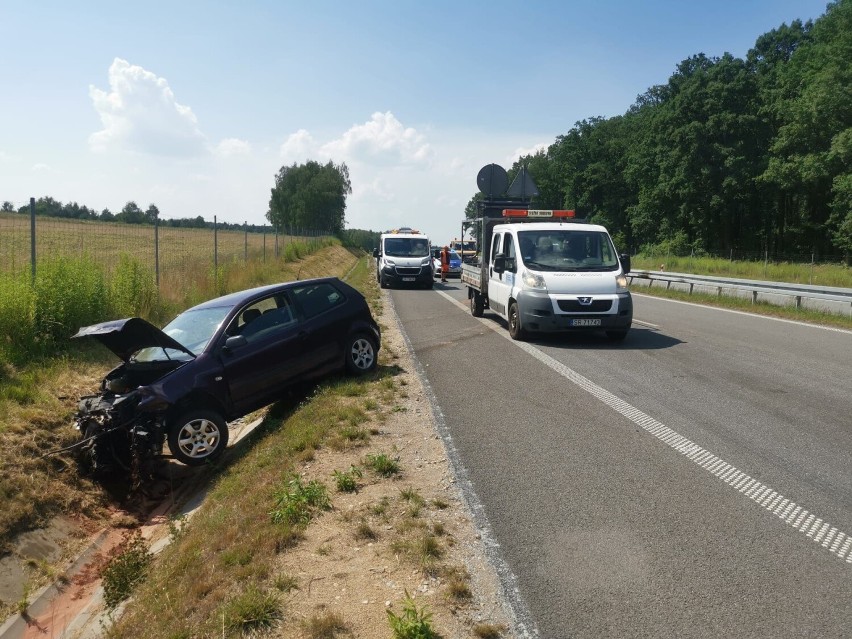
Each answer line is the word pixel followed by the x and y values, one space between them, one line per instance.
pixel 542 213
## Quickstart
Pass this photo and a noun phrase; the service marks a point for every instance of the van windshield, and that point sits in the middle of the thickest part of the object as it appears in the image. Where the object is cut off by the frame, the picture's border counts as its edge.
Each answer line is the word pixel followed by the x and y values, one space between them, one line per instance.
pixel 406 247
pixel 561 250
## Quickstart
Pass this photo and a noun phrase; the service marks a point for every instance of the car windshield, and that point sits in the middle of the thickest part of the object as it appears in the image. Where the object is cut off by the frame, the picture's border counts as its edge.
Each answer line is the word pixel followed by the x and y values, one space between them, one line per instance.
pixel 561 250
pixel 406 247
pixel 193 329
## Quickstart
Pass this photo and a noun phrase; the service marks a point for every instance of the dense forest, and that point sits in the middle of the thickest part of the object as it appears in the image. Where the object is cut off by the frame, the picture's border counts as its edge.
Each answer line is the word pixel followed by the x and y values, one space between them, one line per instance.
pixel 729 156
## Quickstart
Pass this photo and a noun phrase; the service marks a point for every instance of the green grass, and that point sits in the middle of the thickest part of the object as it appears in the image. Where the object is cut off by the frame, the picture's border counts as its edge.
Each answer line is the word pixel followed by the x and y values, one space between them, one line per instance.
pixel 347 481
pixel 125 571
pixel 382 464
pixel 413 623
pixel 838 275
pixel 297 503
pixel 251 611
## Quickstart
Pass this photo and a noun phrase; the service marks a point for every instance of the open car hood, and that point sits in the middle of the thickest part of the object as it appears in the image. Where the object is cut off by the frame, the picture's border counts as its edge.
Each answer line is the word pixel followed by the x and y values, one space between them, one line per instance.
pixel 126 336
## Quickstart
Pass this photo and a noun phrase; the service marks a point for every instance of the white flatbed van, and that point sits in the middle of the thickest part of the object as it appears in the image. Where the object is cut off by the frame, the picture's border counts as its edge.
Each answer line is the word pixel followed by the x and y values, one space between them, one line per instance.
pixel 542 273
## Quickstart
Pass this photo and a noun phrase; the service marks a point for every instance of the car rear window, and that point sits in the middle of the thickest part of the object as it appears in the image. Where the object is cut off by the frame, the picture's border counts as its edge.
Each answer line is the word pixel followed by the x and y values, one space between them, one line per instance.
pixel 314 299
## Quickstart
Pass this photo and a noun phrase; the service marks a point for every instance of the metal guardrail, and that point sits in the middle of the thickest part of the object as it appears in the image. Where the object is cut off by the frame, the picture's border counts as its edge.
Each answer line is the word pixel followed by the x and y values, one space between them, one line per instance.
pixel 822 298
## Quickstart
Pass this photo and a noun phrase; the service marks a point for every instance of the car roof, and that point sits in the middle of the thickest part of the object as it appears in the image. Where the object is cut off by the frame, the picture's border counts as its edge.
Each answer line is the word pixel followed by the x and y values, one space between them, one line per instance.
pixel 242 297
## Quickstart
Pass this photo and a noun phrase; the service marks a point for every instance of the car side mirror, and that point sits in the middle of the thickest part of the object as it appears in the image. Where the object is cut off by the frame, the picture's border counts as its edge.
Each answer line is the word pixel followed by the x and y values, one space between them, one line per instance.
pixel 235 341
pixel 625 262
pixel 375 252
pixel 499 263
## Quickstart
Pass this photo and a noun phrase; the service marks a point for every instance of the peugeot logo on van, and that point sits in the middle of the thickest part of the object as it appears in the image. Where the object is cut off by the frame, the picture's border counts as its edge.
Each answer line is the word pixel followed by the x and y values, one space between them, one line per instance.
pixel 585 301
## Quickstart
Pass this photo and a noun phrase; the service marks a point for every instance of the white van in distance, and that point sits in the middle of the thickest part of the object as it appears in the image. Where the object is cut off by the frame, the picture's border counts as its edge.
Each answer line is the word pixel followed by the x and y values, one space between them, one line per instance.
pixel 403 258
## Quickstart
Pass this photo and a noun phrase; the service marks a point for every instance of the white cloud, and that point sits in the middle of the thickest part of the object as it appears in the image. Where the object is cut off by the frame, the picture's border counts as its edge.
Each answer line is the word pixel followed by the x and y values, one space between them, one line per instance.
pixel 41 167
pixel 377 188
pixel 140 114
pixel 231 147
pixel 521 152
pixel 381 140
pixel 299 146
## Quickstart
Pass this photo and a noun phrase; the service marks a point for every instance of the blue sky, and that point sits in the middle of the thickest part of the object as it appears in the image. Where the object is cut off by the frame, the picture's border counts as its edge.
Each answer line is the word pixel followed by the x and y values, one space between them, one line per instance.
pixel 194 106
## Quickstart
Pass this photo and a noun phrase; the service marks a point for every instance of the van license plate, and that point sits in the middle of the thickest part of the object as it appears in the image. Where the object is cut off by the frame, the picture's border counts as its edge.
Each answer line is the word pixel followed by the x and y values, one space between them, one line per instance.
pixel 585 322
pixel 407 279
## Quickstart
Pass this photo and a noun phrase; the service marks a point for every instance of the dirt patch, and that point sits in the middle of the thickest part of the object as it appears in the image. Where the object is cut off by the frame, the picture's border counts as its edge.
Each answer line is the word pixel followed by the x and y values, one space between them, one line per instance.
pixel 359 560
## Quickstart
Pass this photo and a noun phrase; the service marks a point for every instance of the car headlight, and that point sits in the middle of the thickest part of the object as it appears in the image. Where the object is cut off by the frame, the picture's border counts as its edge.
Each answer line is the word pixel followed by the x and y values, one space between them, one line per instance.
pixel 426 261
pixel 533 280
pixel 151 401
pixel 620 284
pixel 389 262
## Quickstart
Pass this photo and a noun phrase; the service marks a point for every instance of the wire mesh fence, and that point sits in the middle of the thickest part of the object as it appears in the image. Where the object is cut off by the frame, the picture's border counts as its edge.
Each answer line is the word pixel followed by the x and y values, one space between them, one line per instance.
pixel 171 252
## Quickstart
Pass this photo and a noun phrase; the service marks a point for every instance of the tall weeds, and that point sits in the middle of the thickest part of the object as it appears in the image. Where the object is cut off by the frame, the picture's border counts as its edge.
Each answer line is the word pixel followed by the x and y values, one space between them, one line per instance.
pixel 37 318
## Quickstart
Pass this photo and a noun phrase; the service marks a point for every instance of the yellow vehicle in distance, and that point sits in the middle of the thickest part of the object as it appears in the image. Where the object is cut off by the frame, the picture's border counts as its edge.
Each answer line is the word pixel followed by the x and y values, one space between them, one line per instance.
pixel 466 249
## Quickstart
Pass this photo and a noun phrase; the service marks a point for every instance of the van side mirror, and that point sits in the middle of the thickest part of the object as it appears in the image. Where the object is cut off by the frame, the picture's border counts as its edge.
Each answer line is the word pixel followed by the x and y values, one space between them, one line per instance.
pixel 375 252
pixel 499 263
pixel 625 262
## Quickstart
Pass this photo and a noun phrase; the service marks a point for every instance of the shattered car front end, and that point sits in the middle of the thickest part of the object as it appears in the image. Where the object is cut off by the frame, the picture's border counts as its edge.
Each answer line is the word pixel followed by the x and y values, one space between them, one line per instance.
pixel 125 423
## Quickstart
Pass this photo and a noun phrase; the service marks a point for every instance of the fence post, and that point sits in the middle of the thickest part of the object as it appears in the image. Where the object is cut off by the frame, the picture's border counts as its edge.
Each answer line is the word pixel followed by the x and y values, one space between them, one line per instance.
pixel 276 242
pixel 157 248
pixel 32 240
pixel 811 278
pixel 215 255
pixel 245 246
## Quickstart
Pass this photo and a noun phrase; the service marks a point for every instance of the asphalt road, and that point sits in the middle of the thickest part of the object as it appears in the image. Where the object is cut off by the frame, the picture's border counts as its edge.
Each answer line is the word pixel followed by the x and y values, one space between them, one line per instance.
pixel 693 481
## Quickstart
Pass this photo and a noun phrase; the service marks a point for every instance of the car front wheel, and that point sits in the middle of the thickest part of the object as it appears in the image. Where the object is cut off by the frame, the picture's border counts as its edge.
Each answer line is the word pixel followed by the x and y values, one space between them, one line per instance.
pixel 516 331
pixel 360 354
pixel 198 436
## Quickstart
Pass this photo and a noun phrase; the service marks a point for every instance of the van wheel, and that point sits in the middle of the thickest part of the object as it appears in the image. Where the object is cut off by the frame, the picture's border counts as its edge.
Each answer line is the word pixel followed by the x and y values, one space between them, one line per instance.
pixel 198 436
pixel 477 304
pixel 616 336
pixel 360 354
pixel 382 281
pixel 516 331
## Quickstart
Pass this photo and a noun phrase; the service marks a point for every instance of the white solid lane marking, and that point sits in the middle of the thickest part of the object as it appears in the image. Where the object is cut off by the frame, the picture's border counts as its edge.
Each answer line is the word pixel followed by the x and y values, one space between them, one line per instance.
pixel 791 514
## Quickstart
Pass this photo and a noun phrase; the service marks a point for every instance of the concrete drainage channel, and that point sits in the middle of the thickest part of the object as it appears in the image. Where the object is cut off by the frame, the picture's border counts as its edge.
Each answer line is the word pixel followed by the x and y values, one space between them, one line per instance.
pixel 73 606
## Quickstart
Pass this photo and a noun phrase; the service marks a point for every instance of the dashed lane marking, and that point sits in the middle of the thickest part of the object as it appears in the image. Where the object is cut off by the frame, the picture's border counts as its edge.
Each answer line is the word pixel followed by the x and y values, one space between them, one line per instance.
pixel 814 528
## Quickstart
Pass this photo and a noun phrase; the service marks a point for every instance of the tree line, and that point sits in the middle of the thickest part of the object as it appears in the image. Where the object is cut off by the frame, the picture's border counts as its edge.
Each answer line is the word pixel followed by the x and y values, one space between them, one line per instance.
pixel 746 155
pixel 309 196
pixel 131 213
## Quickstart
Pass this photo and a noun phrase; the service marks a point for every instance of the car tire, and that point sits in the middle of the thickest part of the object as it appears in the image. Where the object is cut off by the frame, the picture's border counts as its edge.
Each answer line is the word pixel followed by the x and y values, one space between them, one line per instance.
pixel 382 281
pixel 198 436
pixel 477 304
pixel 516 331
pixel 616 336
pixel 361 354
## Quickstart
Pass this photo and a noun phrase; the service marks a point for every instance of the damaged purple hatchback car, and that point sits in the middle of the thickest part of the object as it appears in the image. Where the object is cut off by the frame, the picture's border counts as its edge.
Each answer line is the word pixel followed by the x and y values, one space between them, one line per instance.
pixel 216 362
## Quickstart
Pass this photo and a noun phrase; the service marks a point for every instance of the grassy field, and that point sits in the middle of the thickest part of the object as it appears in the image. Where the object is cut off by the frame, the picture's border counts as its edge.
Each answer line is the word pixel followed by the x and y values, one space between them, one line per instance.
pixel 183 252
